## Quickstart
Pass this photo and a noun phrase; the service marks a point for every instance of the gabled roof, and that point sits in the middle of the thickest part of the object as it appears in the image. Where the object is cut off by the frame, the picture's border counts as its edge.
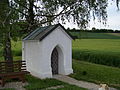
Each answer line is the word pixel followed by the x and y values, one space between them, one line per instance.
pixel 41 32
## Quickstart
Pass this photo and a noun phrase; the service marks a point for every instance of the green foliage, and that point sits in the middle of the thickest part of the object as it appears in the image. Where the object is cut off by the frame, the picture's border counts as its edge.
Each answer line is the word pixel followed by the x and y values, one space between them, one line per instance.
pixel 9 28
pixel 101 51
pixel 9 19
pixel 96 73
pixel 78 11
pixel 37 84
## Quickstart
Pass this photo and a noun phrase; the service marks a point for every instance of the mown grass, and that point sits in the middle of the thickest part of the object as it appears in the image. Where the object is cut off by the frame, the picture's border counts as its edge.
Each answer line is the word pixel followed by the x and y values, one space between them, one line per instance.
pixel 96 73
pixel 92 35
pixel 101 51
pixel 38 84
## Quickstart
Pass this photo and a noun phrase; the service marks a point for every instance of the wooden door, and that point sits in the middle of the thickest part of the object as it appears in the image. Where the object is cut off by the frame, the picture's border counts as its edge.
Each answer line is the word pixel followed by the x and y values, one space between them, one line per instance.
pixel 54 61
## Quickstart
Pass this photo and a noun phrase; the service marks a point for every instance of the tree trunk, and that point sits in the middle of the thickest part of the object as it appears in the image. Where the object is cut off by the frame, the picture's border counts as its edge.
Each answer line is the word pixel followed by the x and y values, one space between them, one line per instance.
pixel 8 53
pixel 31 16
pixel 7 48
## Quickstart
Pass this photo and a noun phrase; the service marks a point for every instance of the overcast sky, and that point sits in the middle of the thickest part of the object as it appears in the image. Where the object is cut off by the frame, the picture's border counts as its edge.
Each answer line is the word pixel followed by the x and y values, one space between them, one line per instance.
pixel 113 20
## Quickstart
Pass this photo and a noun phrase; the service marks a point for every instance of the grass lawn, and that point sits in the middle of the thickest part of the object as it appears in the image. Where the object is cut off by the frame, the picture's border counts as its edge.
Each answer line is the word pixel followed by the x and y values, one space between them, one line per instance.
pixel 101 51
pixel 38 84
pixel 96 73
pixel 104 45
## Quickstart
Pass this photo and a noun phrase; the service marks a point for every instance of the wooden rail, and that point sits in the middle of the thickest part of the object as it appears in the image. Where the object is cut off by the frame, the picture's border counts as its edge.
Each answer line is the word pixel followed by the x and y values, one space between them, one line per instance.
pixel 10 70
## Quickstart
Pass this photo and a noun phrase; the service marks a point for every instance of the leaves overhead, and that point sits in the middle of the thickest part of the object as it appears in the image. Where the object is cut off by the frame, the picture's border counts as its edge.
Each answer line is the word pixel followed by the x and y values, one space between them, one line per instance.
pixel 9 19
pixel 42 12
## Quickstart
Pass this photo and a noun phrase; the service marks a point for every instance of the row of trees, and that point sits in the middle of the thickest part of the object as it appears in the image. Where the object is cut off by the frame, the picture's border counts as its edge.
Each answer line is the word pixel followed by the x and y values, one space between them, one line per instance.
pixel 18 17
pixel 94 30
pixel 104 30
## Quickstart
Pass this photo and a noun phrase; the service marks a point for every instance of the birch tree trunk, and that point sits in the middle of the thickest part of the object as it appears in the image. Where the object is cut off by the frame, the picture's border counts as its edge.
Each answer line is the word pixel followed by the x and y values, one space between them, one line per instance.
pixel 7 48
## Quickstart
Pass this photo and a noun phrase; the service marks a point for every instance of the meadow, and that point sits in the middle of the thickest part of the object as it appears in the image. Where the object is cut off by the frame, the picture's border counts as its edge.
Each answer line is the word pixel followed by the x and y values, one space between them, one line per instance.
pixel 100 51
pixel 96 73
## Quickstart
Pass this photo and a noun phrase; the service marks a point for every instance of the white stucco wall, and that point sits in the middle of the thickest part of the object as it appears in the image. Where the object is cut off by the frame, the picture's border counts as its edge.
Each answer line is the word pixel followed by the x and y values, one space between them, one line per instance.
pixel 38 54
pixel 32 53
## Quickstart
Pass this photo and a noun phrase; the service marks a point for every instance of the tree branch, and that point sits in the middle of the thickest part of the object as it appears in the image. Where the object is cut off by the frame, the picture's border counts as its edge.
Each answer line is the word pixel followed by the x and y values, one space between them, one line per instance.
pixel 53 18
pixel 18 11
pixel 54 14
pixel 4 21
pixel 18 2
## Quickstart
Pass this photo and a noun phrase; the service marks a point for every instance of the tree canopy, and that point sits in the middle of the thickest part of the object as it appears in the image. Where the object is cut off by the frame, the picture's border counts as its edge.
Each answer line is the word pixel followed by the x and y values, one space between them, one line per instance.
pixel 8 27
pixel 42 12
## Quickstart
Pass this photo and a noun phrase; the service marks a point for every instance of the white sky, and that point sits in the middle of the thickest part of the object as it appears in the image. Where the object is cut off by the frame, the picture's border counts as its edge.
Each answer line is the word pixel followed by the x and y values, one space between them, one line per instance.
pixel 113 20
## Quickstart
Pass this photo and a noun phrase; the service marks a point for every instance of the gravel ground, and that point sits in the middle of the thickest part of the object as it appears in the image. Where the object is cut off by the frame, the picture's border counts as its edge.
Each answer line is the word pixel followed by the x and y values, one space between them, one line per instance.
pixel 15 85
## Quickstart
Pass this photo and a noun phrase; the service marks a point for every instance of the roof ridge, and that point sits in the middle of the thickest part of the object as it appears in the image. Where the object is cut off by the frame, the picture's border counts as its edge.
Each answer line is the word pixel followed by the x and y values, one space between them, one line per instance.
pixel 41 32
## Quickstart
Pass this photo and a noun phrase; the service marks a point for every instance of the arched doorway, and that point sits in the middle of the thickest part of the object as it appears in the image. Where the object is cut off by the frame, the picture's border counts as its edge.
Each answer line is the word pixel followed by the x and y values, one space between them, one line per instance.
pixel 54 61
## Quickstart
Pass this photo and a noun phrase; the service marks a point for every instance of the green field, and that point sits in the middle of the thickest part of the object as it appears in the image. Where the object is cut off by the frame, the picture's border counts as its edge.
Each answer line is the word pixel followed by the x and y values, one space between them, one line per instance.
pixel 90 35
pixel 104 45
pixel 101 51
pixel 96 73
